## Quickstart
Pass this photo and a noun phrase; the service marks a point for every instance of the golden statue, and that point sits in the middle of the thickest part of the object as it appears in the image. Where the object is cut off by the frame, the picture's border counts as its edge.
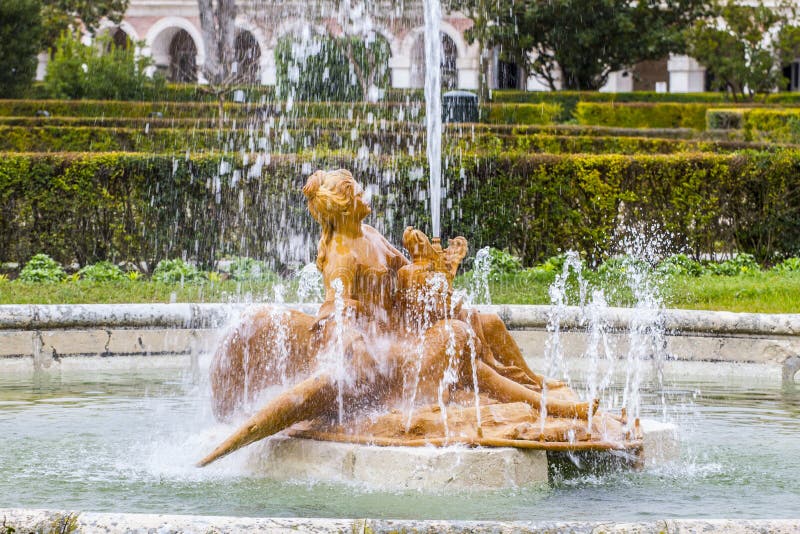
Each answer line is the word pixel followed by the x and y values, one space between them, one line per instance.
pixel 392 358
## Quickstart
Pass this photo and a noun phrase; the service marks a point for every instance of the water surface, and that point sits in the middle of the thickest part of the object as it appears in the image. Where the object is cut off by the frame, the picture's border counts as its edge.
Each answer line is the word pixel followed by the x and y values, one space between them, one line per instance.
pixel 126 441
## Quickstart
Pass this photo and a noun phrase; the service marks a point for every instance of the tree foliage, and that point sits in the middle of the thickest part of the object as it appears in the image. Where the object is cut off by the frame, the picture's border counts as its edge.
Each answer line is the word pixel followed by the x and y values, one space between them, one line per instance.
pixel 580 42
pixel 743 45
pixel 62 15
pixel 327 68
pixel 20 30
pixel 98 71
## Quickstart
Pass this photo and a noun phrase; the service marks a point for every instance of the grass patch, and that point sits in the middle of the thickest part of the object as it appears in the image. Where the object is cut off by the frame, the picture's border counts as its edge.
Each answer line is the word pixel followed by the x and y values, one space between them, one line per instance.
pixel 766 292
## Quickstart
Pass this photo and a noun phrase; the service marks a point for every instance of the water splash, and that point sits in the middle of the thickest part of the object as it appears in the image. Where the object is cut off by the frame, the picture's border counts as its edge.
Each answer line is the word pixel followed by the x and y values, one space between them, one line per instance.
pixel 309 284
pixel 433 106
pixel 479 286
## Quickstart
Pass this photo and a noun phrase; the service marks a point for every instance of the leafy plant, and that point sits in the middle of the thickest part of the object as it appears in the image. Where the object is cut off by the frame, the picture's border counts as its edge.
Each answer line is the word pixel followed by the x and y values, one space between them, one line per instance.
pixel 247 269
pixel 681 265
pixel 133 276
pixel 619 266
pixel 739 264
pixel 327 68
pixel 789 265
pixel 3 278
pixel 502 263
pixel 213 276
pixel 176 271
pixel 100 71
pixel 103 271
pixel 42 268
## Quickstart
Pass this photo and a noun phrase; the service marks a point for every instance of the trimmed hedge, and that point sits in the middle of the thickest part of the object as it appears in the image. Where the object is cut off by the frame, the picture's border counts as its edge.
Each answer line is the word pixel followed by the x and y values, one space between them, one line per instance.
pixel 144 207
pixel 108 108
pixel 568 100
pixel 345 125
pixel 167 140
pixel 395 111
pixel 542 113
pixel 772 125
pixel 639 115
pixel 189 92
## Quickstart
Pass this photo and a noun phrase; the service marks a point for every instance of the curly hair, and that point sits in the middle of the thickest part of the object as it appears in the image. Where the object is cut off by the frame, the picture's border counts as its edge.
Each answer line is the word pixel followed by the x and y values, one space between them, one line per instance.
pixel 331 198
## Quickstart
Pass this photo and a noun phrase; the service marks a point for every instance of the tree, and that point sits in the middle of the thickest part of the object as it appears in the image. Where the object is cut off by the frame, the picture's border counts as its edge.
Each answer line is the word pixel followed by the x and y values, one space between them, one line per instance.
pixel 20 31
pixel 100 71
pixel 580 42
pixel 328 68
pixel 59 16
pixel 743 45
pixel 480 11
pixel 217 22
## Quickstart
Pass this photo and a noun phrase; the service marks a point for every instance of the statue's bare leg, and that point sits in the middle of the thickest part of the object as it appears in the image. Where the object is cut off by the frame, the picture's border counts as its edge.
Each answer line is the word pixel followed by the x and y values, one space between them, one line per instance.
pixel 507 353
pixel 506 390
pixel 309 399
pixel 268 346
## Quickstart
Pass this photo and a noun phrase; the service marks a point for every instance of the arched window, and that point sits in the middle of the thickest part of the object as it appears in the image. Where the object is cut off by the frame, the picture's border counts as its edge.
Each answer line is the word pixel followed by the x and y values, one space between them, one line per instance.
pixel 447 65
pixel 248 57
pixel 182 58
pixel 120 39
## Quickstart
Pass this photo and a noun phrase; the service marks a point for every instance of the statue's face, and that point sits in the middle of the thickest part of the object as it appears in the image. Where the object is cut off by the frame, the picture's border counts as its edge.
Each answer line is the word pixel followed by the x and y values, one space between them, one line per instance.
pixel 417 244
pixel 360 206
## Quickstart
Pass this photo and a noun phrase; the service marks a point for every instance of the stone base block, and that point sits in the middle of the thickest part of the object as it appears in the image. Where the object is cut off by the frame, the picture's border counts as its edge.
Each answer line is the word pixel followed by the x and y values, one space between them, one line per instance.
pixel 400 468
pixel 427 468
pixel 660 442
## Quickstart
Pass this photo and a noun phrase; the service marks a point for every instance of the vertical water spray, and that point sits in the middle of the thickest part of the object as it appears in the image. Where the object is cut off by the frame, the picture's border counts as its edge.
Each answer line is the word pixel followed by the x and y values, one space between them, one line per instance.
pixel 433 105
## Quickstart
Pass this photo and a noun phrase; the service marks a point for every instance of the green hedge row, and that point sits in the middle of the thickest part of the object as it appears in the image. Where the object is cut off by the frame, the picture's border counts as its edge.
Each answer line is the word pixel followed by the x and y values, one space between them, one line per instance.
pixel 772 125
pixel 108 108
pixel 642 115
pixel 188 92
pixel 144 207
pixel 758 124
pixel 568 100
pixel 345 125
pixel 396 111
pixel 285 140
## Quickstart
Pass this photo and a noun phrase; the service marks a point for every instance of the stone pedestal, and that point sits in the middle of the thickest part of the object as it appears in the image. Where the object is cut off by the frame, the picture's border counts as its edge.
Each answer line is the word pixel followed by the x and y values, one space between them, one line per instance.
pixel 427 468
pixel 399 468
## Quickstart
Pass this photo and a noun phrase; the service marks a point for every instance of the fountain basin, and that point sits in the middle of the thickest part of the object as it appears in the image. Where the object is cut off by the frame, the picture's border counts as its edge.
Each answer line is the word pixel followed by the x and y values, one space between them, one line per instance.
pixel 48 333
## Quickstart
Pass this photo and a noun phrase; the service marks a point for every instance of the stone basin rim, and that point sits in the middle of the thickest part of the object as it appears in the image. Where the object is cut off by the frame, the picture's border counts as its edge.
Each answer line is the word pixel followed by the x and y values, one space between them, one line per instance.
pixel 516 317
pixel 79 521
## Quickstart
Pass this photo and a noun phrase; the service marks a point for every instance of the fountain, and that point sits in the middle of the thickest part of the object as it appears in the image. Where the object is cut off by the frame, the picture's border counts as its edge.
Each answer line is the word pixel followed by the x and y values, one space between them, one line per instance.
pixel 392 357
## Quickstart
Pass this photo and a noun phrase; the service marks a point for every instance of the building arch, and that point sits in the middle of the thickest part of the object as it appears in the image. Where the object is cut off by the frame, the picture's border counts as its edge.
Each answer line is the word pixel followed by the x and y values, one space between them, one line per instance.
pixel 110 28
pixel 176 35
pixel 265 61
pixel 448 64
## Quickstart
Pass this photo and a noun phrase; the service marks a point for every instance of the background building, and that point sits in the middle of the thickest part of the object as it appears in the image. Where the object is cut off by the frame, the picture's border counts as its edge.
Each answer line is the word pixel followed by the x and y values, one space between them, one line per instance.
pixel 170 32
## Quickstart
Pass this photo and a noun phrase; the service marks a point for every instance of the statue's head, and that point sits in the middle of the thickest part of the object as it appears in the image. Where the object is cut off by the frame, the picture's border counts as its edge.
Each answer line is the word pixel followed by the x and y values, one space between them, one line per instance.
pixel 418 245
pixel 335 196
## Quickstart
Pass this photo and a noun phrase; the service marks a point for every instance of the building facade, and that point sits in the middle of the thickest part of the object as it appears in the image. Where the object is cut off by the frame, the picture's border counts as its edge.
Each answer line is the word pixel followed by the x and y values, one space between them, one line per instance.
pixel 169 32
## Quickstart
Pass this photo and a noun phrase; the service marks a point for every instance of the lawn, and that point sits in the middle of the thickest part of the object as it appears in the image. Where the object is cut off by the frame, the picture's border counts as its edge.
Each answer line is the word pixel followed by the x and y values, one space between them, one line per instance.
pixel 764 292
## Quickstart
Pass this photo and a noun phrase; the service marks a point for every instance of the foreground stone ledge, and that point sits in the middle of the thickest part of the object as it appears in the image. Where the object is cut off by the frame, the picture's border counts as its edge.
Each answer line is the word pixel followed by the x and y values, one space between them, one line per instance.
pixel 61 521
pixel 46 316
